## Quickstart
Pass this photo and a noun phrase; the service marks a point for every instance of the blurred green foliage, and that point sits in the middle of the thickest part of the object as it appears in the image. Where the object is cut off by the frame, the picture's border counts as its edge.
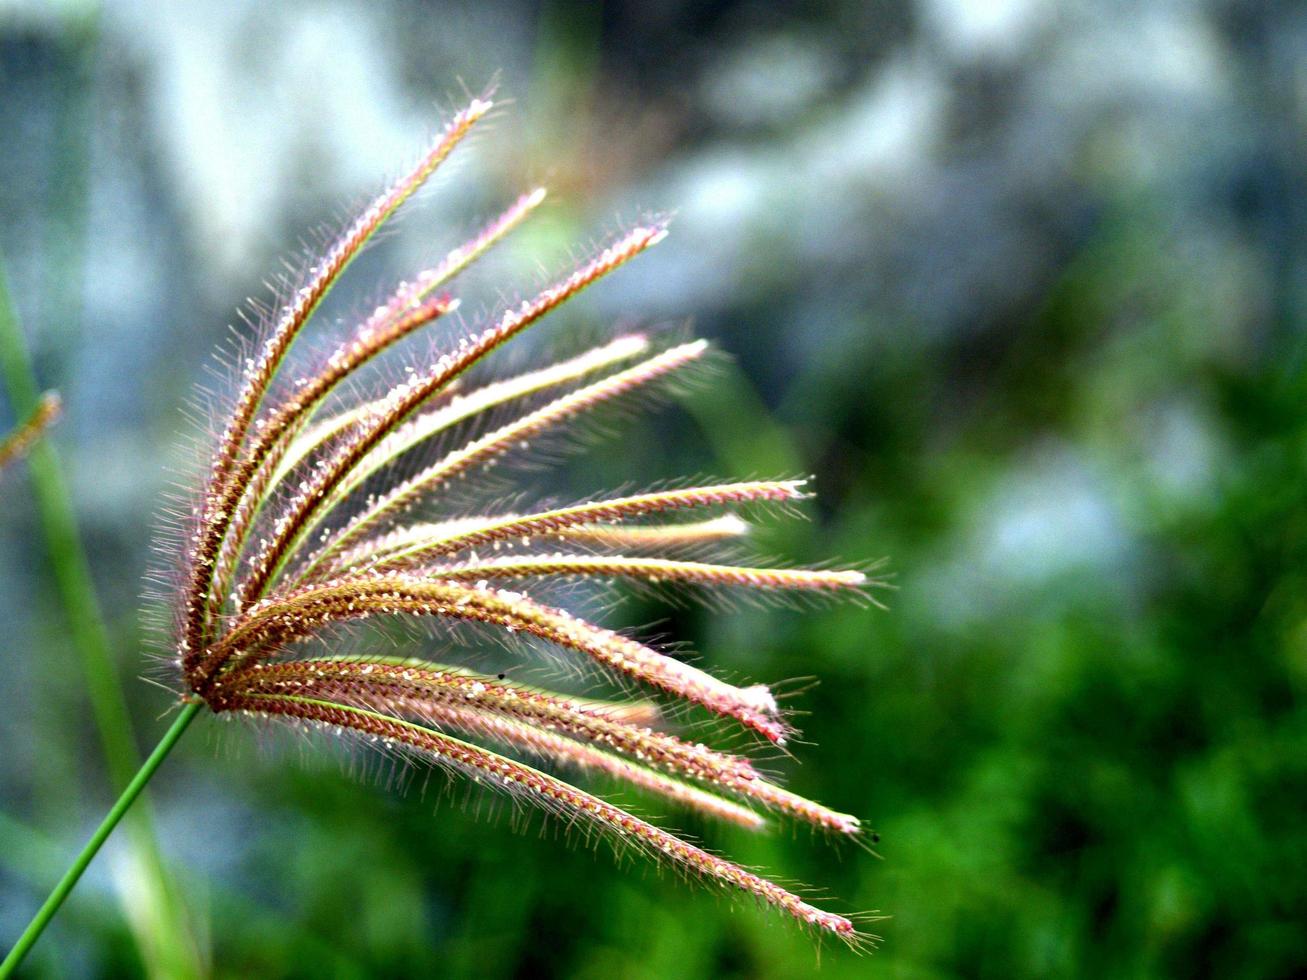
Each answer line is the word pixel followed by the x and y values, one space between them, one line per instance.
pixel 1080 728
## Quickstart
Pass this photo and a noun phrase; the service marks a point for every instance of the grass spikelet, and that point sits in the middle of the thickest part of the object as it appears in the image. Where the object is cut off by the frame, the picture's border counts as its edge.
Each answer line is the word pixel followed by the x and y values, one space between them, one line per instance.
pixel 551 747
pixel 405 399
pixel 15 445
pixel 593 518
pixel 654 570
pixel 458 408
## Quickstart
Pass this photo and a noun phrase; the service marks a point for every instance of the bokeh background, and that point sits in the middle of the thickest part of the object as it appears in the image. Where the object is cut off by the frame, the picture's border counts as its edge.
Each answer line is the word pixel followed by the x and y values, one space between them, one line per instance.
pixel 1020 281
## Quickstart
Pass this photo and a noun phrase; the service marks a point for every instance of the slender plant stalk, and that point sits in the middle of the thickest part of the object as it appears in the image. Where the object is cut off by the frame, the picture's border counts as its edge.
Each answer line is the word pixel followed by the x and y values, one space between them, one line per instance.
pixel 134 787
pixel 77 592
pixel 45 857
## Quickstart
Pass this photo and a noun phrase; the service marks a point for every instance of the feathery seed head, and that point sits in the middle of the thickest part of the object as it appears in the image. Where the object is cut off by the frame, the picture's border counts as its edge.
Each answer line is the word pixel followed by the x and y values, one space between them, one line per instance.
pixel 309 519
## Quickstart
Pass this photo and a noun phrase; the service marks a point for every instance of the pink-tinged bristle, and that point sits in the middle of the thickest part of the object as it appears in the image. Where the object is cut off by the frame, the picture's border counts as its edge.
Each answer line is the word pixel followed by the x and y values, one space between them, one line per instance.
pixel 508 527
pixel 20 440
pixel 528 426
pixel 514 775
pixel 260 372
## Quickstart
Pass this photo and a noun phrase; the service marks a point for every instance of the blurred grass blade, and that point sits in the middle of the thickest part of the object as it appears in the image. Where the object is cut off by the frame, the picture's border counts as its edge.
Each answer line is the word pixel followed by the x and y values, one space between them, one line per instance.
pixel 170 951
pixel 761 447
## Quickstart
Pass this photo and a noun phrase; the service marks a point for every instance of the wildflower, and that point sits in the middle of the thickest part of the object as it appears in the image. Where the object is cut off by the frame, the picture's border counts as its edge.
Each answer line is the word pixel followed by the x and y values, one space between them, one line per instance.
pixel 309 518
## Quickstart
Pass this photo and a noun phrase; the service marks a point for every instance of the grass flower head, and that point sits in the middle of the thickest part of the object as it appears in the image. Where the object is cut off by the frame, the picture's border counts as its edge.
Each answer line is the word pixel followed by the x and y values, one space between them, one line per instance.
pixel 314 513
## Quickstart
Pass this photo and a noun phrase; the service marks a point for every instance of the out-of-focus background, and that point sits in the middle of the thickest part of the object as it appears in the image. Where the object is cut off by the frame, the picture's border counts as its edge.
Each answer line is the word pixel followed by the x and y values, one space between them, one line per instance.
pixel 1021 282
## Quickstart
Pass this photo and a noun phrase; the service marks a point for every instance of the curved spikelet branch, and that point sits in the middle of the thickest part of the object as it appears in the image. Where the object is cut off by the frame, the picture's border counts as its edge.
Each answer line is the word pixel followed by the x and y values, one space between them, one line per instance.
pixel 507 437
pixel 280 619
pixel 260 371
pixel 306 526
pixel 376 552
pixel 424 543
pixel 256 469
pixel 458 408
pixel 406 399
pixel 408 308
pixel 654 537
pixel 485 239
pixel 654 570
pixel 520 779
pixel 631 711
pixel 323 276
pixel 327 678
pixel 434 688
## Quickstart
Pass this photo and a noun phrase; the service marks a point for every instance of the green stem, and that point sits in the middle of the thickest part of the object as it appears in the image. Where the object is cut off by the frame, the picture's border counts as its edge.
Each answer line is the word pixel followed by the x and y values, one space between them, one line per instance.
pixel 68 561
pixel 47 911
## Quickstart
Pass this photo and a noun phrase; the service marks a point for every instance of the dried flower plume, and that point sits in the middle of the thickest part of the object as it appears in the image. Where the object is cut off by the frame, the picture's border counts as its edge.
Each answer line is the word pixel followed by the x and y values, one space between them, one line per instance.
pixel 308 519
